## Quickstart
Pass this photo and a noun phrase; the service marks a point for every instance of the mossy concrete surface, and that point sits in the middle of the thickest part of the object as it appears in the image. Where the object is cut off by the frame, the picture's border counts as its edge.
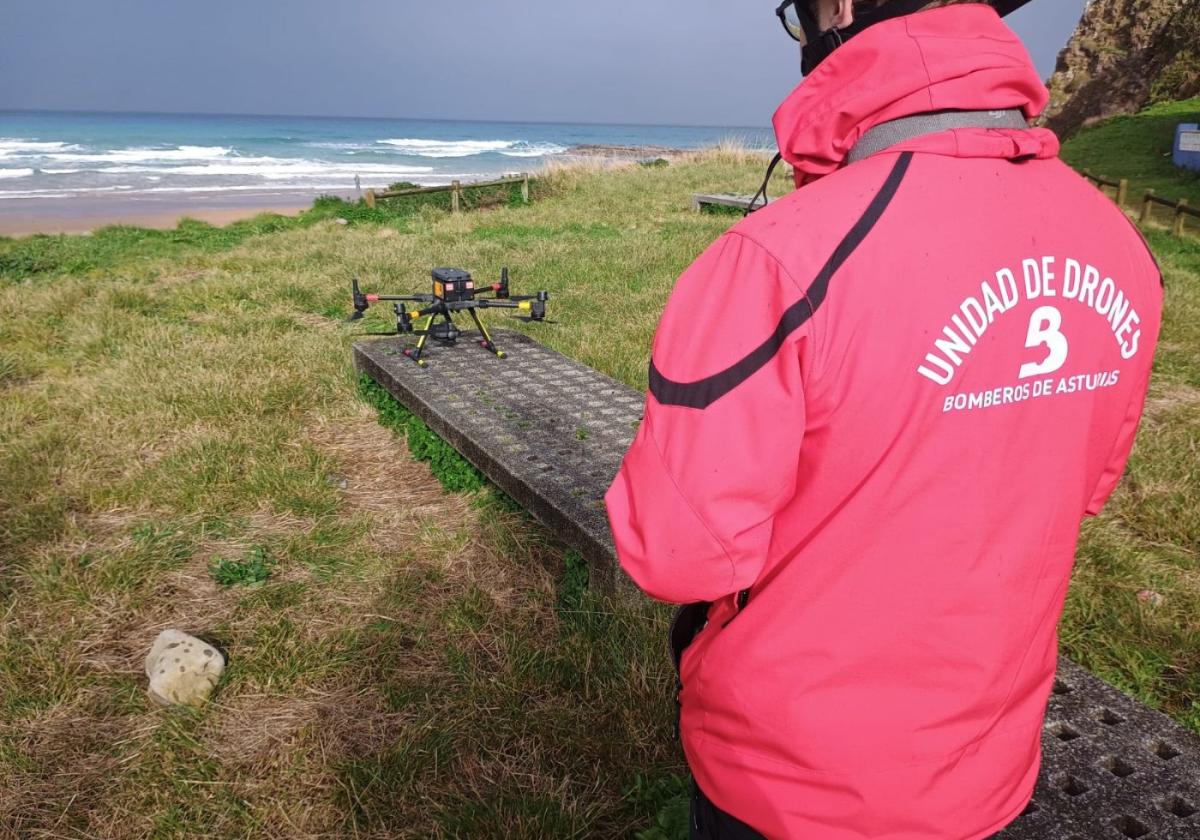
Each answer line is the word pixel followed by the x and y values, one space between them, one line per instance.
pixel 546 429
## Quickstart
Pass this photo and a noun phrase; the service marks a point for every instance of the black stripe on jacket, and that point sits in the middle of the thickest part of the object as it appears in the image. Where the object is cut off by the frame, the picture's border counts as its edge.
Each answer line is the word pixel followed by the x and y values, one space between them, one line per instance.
pixel 704 392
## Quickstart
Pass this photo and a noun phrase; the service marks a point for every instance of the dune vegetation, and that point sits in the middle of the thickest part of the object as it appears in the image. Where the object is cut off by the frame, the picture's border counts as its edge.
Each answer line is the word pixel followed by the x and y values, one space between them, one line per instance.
pixel 184 443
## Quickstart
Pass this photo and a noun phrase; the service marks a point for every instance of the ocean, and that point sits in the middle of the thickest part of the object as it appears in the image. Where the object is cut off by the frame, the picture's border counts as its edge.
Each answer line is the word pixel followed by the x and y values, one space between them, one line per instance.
pixel 45 155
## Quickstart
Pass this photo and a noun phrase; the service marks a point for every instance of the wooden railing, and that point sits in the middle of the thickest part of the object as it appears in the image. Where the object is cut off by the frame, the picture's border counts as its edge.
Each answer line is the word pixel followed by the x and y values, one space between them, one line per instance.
pixel 455 188
pixel 1181 208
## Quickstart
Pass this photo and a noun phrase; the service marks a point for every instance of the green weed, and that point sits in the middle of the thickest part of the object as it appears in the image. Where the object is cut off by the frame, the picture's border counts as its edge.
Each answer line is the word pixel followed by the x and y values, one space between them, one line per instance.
pixel 251 571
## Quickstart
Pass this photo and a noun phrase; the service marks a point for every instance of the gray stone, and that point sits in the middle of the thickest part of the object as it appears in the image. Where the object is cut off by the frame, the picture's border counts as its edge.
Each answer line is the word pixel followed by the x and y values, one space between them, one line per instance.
pixel 183 670
pixel 551 432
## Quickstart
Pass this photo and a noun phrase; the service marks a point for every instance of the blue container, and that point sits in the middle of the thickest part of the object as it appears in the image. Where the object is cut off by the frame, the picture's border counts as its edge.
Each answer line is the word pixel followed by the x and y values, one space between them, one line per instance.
pixel 1187 146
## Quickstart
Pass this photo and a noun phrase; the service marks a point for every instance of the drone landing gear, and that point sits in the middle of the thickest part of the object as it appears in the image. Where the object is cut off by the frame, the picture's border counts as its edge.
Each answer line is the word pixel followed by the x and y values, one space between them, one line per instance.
pixel 446 333
pixel 487 337
pixel 415 353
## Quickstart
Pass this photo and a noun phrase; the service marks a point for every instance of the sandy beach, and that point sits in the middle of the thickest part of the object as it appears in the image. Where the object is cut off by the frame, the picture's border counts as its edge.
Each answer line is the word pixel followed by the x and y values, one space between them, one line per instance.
pixel 83 213
pixel 21 217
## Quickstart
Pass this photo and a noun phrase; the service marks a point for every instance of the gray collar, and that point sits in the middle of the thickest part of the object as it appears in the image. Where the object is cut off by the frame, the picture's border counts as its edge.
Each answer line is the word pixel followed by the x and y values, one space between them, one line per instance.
pixel 888 134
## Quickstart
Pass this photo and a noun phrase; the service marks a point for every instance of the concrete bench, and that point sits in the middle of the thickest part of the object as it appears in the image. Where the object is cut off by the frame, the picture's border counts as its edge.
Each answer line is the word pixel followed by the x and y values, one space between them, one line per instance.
pixel 741 202
pixel 551 432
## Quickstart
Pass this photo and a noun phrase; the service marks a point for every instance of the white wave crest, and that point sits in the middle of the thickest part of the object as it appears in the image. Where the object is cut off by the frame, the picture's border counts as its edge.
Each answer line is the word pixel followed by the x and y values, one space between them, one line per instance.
pixel 467 148
pixel 21 146
pixel 312 187
pixel 523 149
pixel 15 173
pixel 145 155
pixel 271 168
pixel 339 146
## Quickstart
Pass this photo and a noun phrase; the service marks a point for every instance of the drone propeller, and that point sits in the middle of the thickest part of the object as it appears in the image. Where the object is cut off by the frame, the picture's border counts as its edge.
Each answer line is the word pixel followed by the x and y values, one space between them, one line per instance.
pixel 360 301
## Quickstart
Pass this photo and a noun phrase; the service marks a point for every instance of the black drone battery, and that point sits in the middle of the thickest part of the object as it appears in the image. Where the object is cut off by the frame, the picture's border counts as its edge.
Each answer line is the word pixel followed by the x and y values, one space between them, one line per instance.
pixel 452 285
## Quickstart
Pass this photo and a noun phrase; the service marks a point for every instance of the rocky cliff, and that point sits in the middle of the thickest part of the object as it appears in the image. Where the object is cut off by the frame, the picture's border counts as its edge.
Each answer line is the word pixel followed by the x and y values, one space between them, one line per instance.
pixel 1125 55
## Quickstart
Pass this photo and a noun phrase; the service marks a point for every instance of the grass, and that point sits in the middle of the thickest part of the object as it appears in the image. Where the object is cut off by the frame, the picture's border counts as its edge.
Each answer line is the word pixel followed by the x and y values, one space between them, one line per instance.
pixel 252 571
pixel 1138 147
pixel 420 661
pixel 44 255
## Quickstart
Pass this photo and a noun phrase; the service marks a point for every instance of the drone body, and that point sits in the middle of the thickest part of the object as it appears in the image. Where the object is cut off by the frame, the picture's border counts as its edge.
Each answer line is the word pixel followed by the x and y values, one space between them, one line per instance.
pixel 453 291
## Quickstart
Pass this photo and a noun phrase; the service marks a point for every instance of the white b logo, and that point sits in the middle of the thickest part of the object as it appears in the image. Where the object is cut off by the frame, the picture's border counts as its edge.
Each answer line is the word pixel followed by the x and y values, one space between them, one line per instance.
pixel 1045 329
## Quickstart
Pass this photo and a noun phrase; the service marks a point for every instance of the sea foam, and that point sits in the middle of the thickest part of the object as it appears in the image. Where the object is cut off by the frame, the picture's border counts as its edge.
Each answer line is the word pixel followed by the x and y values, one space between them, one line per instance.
pixel 467 148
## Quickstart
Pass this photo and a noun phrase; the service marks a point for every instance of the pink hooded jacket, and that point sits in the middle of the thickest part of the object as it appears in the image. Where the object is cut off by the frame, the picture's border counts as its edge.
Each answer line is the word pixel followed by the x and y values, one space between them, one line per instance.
pixel 883 404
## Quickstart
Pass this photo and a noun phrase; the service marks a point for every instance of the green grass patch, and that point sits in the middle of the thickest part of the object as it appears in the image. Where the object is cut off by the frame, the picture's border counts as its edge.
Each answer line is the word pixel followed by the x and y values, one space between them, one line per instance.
pixel 669 799
pixel 1138 147
pixel 123 245
pixel 455 472
pixel 516 234
pixel 253 570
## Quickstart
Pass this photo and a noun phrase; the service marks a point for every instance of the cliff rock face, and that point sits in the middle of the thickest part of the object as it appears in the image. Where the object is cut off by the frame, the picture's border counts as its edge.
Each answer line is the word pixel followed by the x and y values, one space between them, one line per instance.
pixel 1125 55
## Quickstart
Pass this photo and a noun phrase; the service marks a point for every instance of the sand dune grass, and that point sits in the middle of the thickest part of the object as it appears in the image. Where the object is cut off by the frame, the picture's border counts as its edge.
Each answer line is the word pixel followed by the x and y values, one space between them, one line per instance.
pixel 418 664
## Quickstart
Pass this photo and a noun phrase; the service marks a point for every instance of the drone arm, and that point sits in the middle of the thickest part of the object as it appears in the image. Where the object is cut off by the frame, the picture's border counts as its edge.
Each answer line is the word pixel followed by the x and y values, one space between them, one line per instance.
pixel 486 303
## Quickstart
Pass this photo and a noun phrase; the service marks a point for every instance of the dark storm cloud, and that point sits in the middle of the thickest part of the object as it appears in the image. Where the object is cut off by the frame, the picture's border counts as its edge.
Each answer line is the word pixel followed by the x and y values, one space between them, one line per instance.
pixel 699 62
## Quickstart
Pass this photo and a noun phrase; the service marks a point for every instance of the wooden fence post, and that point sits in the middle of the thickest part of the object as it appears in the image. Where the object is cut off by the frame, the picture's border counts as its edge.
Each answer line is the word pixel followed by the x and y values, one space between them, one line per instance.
pixel 525 189
pixel 1146 204
pixel 1122 192
pixel 371 199
pixel 455 190
pixel 1178 228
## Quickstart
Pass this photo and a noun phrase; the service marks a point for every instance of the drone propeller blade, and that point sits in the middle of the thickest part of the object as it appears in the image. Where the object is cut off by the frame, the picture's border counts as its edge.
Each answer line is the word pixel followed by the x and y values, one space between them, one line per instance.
pixel 359 299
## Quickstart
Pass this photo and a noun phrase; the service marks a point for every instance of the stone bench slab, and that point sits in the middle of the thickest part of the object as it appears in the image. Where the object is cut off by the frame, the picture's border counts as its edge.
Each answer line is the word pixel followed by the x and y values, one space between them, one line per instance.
pixel 547 430
pixel 741 202
pixel 551 432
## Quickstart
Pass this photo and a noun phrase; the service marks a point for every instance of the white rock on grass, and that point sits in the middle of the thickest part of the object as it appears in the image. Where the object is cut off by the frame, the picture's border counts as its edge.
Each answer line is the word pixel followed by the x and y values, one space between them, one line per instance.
pixel 183 670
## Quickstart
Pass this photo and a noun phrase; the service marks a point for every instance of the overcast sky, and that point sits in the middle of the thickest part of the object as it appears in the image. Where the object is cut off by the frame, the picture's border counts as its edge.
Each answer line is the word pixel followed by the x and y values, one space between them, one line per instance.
pixel 699 62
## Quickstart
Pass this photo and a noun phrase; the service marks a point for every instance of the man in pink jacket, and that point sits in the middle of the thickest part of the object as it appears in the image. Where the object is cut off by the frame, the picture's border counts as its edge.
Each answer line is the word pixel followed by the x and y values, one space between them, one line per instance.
pixel 879 409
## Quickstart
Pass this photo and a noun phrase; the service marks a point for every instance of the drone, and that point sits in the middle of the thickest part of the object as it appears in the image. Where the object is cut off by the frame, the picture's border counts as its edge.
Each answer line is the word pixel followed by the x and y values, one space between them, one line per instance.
pixel 453 291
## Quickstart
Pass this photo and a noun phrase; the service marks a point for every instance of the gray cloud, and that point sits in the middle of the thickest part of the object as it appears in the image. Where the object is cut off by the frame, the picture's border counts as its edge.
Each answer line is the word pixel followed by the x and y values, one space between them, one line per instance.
pixel 701 62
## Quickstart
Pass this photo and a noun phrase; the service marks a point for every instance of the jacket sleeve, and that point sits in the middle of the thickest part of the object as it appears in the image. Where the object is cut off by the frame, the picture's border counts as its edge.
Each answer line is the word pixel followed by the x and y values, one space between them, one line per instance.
pixel 1115 467
pixel 716 455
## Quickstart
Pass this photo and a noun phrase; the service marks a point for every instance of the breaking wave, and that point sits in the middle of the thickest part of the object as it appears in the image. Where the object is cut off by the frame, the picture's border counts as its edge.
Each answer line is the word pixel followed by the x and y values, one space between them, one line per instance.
pixel 467 148
pixel 18 146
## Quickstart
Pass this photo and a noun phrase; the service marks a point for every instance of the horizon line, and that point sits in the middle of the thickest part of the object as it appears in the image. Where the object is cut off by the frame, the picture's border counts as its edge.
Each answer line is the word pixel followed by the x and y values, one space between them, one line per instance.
pixel 99 112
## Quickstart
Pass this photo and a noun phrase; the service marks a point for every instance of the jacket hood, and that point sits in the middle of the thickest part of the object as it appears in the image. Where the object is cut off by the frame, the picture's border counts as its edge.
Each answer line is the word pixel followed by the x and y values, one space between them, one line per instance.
pixel 959 57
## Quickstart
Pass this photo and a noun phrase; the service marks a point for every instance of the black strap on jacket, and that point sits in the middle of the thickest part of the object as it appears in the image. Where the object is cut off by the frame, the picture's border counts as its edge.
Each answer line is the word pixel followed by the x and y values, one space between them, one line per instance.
pixel 686 623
